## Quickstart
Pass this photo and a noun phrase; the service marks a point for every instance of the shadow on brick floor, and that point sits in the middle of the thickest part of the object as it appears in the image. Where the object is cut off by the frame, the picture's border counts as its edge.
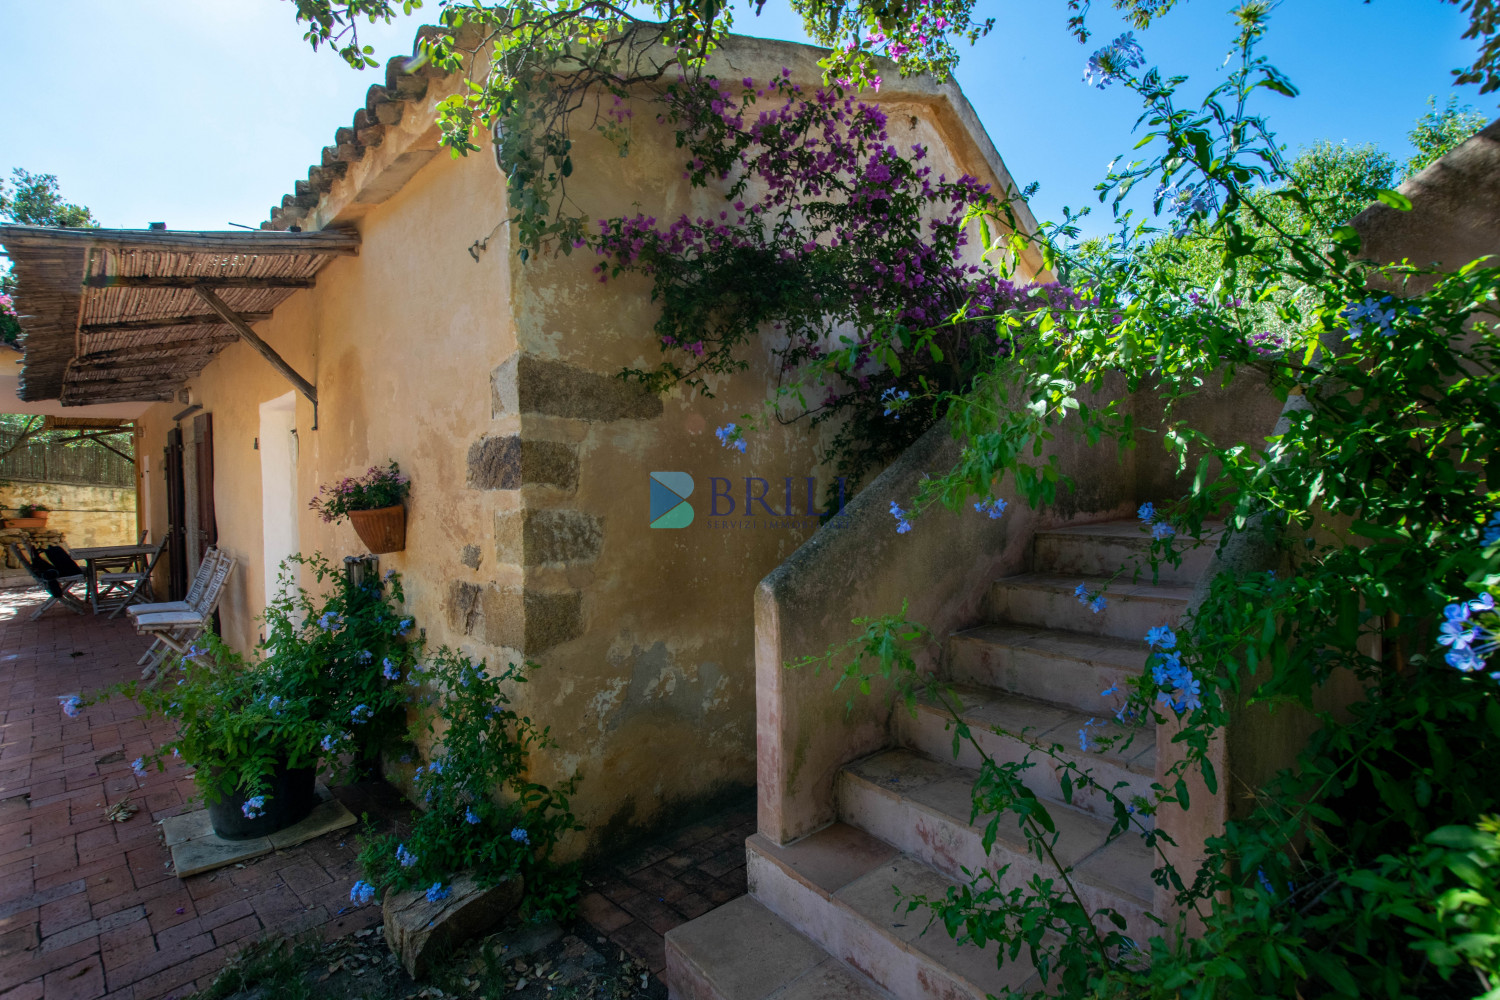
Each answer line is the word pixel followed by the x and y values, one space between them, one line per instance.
pixel 633 902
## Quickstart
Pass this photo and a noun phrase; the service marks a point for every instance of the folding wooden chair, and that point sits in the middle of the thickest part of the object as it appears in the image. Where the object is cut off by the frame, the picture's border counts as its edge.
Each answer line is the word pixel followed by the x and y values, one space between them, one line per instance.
pixel 178 630
pixel 194 596
pixel 49 579
pixel 120 590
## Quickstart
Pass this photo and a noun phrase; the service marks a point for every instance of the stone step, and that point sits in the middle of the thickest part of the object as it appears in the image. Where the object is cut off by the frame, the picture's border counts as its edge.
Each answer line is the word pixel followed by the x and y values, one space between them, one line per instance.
pixel 743 951
pixel 840 888
pixel 1124 756
pixel 921 806
pixel 1066 668
pixel 1101 550
pixel 1048 601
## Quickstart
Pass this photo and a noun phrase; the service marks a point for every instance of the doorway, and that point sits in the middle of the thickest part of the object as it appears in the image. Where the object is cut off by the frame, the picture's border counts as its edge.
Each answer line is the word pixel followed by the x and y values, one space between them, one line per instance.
pixel 278 486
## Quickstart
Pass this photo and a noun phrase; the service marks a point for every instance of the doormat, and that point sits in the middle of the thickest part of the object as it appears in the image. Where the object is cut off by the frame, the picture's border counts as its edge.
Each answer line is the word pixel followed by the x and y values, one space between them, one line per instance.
pixel 196 848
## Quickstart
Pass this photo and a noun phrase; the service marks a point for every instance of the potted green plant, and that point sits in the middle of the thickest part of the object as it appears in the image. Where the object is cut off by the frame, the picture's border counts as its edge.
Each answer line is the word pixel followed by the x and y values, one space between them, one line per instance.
pixel 254 748
pixel 328 681
pixel 29 515
pixel 373 505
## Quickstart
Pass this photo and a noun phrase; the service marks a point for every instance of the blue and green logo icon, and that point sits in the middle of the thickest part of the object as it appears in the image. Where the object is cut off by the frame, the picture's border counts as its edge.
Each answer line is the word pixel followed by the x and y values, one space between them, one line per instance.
pixel 669 505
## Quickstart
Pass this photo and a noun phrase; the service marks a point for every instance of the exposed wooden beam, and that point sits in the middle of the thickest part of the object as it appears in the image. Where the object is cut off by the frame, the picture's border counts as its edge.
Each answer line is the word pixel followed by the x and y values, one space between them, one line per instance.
pixel 124 363
pixel 203 319
pixel 328 242
pixel 213 340
pixel 264 349
pixel 168 281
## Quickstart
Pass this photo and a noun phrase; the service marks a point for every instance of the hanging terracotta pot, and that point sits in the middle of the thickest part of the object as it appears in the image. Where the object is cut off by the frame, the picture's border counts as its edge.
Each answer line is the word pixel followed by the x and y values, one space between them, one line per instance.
pixel 382 529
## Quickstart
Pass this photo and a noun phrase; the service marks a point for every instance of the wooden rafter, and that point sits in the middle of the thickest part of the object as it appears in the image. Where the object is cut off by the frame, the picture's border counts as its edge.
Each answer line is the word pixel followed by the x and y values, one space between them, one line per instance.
pixel 203 319
pixel 166 347
pixel 173 281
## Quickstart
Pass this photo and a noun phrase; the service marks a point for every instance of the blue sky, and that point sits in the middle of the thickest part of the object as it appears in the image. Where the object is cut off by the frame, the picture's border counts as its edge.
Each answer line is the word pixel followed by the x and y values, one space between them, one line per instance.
pixel 203 112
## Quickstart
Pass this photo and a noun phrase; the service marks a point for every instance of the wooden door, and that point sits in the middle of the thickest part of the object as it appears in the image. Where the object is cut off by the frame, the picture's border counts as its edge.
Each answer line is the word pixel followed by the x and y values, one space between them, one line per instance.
pixel 208 529
pixel 177 573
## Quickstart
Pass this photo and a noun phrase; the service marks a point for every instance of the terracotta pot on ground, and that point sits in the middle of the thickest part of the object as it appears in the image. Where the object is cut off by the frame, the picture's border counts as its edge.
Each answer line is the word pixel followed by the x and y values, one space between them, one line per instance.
pixel 291 797
pixel 382 529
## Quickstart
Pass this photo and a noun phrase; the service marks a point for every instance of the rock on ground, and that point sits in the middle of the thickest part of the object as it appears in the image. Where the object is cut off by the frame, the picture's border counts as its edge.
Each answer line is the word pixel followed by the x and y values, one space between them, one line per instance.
pixel 417 930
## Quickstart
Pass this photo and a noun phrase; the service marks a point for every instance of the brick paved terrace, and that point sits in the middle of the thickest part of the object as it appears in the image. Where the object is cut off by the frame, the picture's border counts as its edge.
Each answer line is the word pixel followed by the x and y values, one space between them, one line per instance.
pixel 89 908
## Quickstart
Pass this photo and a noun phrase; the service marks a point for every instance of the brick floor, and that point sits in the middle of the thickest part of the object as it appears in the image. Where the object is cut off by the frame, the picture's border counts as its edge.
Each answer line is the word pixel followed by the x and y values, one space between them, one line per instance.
pixel 90 908
pixel 635 901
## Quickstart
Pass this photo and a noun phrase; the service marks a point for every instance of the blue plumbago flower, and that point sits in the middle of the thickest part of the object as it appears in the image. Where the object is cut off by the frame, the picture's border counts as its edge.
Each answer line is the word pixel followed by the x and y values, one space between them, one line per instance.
pixel 893 400
pixel 1082 593
pixel 139 767
pixel 1265 883
pixel 329 742
pixel 361 713
pixel 404 857
pixel 1112 689
pixel 1161 636
pixel 1470 642
pixel 1114 60
pixel 1083 735
pixel 1179 688
pixel 902 524
pixel 69 705
pixel 330 621
pixel 1147 512
pixel 1162 529
pixel 1491 532
pixel 402 627
pixel 275 703
pixel 388 670
pixel 520 836
pixel 389 575
pixel 418 772
pixel 1098 604
pixel 1457 634
pixel 993 507
pixel 730 436
pixel 254 808
pixel 437 892
pixel 363 893
pixel 406 758
pixel 471 817
pixel 1366 314
pixel 436 767
pixel 365 656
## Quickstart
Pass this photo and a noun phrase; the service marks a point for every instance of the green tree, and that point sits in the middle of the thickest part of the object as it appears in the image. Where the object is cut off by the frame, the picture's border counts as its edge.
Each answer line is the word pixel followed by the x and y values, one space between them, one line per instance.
pixel 1437 132
pixel 32 200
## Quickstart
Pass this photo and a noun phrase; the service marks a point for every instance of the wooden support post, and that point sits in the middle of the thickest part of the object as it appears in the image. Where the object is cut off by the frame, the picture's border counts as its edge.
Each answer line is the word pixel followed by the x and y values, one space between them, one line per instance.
pixel 262 348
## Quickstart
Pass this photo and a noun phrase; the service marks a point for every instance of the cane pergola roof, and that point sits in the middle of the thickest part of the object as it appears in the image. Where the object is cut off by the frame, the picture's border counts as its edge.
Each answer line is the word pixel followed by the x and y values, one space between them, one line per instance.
pixel 117 315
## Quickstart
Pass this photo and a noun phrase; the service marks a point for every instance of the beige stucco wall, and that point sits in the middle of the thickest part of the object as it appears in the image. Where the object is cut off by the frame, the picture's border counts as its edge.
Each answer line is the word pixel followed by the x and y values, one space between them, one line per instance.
pixel 492 383
pixel 86 515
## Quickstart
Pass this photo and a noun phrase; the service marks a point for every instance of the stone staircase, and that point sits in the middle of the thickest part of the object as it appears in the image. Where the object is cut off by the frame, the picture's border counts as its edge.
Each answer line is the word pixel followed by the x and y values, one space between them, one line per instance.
pixel 821 918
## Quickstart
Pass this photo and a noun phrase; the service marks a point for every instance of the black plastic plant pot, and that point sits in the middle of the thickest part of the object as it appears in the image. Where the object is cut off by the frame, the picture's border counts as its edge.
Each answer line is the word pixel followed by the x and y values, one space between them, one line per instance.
pixel 290 797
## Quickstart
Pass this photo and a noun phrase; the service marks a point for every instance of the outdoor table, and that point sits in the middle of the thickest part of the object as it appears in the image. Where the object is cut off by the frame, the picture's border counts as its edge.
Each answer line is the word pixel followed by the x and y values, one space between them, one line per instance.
pixel 107 557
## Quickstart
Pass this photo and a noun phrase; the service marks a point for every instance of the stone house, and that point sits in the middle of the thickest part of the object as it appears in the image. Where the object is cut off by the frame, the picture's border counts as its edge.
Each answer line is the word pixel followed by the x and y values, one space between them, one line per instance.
pixel 383 313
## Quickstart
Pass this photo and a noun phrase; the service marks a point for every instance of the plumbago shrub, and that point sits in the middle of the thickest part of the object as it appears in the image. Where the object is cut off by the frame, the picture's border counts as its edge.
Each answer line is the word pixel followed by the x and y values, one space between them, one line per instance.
pixel 235 723
pixel 482 815
pixel 833 243
pixel 345 650
pixel 1368 866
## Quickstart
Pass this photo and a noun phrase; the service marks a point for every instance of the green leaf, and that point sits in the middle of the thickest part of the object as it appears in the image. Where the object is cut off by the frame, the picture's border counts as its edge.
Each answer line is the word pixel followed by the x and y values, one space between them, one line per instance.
pixel 1395 199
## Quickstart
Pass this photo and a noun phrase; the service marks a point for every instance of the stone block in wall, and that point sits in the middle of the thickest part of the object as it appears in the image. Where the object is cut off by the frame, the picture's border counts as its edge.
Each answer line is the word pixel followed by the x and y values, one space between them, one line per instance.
pixel 528 384
pixel 530 620
pixel 462 606
pixel 505 463
pixel 531 537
